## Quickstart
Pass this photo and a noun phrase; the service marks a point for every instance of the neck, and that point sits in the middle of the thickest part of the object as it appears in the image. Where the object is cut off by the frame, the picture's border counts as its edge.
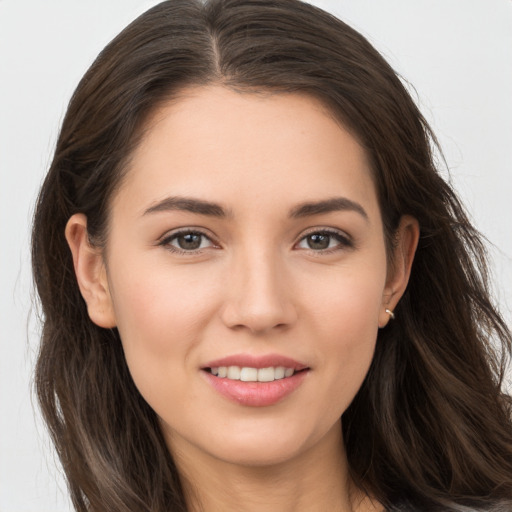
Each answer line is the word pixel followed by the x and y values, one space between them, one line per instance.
pixel 315 481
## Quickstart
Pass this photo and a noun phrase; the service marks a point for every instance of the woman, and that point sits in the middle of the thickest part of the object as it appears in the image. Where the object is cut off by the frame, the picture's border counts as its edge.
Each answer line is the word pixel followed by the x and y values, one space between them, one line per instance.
pixel 241 239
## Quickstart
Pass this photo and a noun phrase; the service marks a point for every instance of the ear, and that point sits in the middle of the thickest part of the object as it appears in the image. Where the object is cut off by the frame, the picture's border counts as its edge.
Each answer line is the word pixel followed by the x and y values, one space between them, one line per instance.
pixel 90 272
pixel 404 248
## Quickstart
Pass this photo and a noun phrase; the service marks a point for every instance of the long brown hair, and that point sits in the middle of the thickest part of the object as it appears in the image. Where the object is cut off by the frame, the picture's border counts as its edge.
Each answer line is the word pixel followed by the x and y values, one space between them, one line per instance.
pixel 430 426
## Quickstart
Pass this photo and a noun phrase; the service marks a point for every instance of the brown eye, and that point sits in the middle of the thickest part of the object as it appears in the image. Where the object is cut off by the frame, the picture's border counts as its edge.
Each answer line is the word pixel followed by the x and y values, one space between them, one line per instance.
pixel 187 241
pixel 190 241
pixel 324 240
pixel 318 241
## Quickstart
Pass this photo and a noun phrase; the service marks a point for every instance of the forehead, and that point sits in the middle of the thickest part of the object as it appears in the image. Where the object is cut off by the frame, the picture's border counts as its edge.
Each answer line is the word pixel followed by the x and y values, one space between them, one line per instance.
pixel 212 141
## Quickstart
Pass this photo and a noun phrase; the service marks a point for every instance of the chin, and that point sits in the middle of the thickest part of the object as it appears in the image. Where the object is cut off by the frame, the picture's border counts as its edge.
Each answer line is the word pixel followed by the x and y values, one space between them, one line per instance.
pixel 263 443
pixel 265 454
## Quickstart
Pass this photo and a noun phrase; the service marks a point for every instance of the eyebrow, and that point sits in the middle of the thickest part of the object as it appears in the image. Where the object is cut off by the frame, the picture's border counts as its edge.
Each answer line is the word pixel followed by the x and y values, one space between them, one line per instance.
pixel 333 204
pixel 189 205
pixel 307 209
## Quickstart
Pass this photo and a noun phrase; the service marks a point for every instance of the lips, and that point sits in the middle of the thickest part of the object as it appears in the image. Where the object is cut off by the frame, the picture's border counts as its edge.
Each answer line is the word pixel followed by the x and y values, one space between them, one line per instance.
pixel 255 381
pixel 250 361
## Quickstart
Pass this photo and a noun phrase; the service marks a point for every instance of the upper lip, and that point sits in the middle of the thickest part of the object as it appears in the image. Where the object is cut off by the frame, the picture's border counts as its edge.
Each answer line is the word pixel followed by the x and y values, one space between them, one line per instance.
pixel 252 361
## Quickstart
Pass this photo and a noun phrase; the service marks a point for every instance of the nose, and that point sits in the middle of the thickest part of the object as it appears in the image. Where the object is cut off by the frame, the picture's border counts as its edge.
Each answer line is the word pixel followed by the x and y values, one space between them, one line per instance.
pixel 258 295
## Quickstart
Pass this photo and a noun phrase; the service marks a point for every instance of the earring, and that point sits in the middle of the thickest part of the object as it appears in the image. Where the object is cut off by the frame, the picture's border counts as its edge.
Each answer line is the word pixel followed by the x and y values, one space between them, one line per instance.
pixel 390 313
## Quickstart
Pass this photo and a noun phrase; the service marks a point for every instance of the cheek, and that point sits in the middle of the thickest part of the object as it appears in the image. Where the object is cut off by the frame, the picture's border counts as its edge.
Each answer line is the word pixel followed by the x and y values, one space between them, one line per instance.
pixel 347 327
pixel 160 314
pixel 347 301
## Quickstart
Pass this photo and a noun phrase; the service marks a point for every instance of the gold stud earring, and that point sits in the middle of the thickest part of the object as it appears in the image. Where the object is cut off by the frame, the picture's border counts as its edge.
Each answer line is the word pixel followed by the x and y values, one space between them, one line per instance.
pixel 390 313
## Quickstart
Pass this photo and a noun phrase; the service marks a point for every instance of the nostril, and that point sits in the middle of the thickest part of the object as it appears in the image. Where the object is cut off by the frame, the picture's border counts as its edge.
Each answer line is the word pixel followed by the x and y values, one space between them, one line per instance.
pixel 243 315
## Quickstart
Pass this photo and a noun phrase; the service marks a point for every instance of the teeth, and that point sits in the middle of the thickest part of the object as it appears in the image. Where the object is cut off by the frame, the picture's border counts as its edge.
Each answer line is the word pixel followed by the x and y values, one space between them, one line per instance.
pixel 266 374
pixel 234 372
pixel 279 372
pixel 247 374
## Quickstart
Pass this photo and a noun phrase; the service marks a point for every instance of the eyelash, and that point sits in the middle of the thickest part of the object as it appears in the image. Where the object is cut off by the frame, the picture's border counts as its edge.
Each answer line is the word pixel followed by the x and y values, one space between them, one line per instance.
pixel 167 241
pixel 344 242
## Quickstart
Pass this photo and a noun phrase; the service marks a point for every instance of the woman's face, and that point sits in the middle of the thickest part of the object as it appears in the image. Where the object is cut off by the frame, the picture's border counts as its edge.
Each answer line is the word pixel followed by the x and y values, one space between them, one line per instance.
pixel 247 236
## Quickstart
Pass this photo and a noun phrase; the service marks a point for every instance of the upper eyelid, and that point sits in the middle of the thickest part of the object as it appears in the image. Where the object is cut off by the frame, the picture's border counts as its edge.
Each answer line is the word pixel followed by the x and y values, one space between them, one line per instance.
pixel 328 230
pixel 189 229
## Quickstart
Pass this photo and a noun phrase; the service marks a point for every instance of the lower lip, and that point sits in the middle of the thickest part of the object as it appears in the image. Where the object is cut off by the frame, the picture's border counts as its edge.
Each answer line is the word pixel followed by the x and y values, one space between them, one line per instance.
pixel 256 394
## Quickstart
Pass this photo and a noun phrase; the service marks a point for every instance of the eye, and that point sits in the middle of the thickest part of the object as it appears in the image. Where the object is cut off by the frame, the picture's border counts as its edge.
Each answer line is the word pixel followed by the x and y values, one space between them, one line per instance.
pixel 187 241
pixel 324 240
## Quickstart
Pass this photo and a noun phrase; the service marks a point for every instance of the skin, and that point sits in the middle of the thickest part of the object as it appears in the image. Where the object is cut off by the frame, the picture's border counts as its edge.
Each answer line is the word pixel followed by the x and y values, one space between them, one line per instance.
pixel 256 285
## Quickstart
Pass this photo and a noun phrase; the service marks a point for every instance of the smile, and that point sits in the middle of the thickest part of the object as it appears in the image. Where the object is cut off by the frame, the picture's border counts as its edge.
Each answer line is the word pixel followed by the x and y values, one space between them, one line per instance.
pixel 249 374
pixel 255 381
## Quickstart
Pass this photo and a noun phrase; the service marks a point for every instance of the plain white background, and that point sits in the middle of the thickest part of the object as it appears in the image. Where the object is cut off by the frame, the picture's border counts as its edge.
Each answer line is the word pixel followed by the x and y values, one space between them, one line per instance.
pixel 458 55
